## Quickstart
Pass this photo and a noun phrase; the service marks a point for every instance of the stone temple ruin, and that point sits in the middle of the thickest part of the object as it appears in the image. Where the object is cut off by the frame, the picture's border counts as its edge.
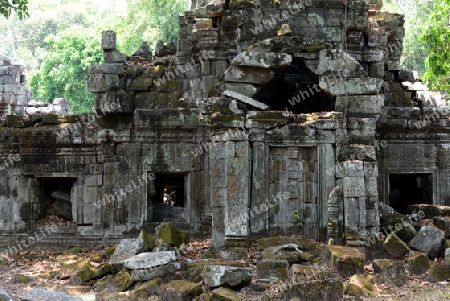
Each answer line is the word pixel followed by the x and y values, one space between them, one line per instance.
pixel 265 114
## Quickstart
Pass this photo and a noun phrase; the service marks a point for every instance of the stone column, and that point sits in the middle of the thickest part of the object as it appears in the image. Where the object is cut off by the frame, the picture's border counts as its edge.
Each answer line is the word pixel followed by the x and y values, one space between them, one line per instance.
pixel 230 182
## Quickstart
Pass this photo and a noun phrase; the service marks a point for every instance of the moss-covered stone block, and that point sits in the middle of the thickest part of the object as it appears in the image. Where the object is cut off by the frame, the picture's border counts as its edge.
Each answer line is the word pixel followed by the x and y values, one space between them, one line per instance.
pixel 141 84
pixel 179 290
pixel 396 247
pixel 154 71
pixel 196 270
pixel 165 85
pixel 389 272
pixel 418 263
pixel 346 261
pixel 14 121
pixel 120 282
pixel 81 268
pixel 241 4
pixel 287 252
pixel 52 118
pixel 169 234
pixel 146 100
pixel 313 290
pixel 270 268
pixel 150 287
pixel 225 294
pixel 233 253
pixel 406 232
pixel 361 286
pixel 149 240
pixel 438 273
pixel 269 242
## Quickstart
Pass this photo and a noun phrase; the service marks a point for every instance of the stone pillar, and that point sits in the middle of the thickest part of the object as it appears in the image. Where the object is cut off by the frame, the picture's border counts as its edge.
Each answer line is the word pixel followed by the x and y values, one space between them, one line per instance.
pixel 356 170
pixel 230 182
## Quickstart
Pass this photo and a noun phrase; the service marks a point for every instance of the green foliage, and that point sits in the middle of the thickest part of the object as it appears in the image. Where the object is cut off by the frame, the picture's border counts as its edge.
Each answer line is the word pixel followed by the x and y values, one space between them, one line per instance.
pixel 19 6
pixel 436 37
pixel 298 217
pixel 65 68
pixel 149 21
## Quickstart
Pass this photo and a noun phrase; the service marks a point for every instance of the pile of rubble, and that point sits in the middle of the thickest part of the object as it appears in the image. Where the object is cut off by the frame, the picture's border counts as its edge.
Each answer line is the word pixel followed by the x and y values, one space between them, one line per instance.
pixel 159 267
pixel 59 106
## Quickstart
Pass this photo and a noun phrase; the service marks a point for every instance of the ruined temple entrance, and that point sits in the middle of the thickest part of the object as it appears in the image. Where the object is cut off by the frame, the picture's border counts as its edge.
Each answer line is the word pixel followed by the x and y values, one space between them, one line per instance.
pixel 56 198
pixel 410 188
pixel 297 90
pixel 169 197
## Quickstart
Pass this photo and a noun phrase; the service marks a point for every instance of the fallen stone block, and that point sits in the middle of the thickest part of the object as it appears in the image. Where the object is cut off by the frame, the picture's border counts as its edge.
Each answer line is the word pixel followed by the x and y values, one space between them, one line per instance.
pixel 225 294
pixel 299 273
pixel 163 271
pixel 289 252
pixel 389 272
pixel 396 247
pixel 428 211
pixel 406 233
pixel 438 273
pixel 270 268
pixel 346 261
pixel 234 277
pixel 418 263
pixel 442 223
pixel 329 289
pixel 179 290
pixel 361 286
pixel 120 282
pixel 126 249
pixel 150 287
pixel 169 234
pixel 429 240
pixel 149 260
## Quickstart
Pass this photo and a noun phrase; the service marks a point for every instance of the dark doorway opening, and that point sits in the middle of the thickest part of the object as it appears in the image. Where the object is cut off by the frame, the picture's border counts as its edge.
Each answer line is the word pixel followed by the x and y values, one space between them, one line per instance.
pixel 409 189
pixel 169 197
pixel 297 90
pixel 56 201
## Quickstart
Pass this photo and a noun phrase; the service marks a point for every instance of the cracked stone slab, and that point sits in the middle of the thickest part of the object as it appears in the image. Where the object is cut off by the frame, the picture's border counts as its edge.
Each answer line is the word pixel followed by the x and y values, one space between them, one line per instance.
pixel 149 260
pixel 247 100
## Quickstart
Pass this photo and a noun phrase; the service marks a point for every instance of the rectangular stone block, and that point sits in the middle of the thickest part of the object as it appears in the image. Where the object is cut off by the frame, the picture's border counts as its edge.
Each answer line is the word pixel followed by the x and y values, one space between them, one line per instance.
pixel 353 168
pixel 354 187
pixel 352 86
pixel 100 83
pixel 369 104
pixel 116 68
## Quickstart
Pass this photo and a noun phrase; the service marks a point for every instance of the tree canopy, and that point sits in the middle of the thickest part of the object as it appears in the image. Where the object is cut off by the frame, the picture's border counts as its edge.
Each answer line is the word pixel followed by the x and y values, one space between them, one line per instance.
pixel 19 6
pixel 58 40
pixel 436 38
